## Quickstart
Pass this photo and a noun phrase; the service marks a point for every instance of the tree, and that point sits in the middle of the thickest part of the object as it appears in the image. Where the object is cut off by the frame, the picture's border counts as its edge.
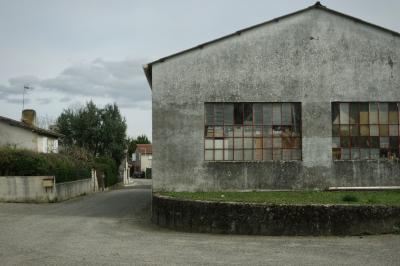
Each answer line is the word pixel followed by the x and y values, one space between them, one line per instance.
pixel 132 142
pixel 101 131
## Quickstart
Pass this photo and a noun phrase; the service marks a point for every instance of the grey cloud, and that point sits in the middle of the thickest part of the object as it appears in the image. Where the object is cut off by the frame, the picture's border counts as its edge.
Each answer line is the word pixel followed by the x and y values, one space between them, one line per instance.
pixel 43 101
pixel 65 99
pixel 121 81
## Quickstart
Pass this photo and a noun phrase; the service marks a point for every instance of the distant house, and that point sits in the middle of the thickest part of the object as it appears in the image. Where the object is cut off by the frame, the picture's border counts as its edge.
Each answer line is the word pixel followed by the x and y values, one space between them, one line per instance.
pixel 144 156
pixel 26 135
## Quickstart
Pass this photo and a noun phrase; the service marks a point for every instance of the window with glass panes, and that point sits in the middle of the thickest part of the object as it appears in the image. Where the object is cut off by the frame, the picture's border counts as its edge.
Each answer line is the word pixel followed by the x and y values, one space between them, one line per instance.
pixel 252 131
pixel 365 130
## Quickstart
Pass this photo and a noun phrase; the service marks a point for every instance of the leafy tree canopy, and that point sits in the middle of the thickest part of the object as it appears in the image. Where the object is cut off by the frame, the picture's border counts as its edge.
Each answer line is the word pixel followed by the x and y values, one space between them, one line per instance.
pixel 101 131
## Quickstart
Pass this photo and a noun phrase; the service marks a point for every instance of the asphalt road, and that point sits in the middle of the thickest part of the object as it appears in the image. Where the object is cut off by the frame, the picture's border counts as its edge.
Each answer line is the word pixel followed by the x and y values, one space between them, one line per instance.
pixel 113 228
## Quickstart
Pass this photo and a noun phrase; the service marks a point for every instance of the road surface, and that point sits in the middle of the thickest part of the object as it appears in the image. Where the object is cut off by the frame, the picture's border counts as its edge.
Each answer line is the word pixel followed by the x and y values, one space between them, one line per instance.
pixel 113 228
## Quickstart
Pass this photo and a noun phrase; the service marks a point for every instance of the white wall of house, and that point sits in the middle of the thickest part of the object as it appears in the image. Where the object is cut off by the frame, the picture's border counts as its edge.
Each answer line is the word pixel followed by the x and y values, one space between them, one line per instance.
pixel 145 161
pixel 26 139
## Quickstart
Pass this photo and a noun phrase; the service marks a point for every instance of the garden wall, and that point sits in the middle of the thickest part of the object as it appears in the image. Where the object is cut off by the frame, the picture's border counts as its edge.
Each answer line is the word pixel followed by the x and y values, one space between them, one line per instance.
pixel 42 188
pixel 271 219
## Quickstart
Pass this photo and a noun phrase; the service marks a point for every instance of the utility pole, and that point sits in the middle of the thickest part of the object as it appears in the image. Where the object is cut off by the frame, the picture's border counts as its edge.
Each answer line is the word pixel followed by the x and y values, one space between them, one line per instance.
pixel 26 88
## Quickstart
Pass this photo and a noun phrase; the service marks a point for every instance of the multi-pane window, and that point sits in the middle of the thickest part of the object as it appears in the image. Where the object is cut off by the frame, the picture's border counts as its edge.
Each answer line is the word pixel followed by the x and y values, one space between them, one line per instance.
pixel 252 131
pixel 365 130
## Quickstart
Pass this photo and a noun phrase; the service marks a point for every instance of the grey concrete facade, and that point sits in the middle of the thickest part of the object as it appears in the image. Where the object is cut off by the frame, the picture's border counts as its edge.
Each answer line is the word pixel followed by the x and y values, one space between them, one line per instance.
pixel 315 57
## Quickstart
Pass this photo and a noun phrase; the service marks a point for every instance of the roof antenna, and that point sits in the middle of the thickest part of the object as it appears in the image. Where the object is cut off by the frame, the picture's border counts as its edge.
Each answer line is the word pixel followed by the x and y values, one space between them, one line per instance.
pixel 318 4
pixel 26 88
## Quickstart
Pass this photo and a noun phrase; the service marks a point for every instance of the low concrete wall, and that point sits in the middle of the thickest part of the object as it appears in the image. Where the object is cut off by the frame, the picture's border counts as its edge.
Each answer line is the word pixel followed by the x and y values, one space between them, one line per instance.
pixel 43 188
pixel 26 189
pixel 73 189
pixel 269 219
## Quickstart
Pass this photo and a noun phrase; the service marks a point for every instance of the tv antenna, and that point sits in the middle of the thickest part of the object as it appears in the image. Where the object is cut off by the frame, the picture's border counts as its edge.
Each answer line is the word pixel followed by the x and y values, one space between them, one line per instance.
pixel 26 89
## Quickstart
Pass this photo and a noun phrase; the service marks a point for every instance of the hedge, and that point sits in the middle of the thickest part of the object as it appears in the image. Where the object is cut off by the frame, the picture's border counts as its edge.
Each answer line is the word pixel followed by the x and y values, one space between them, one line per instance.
pixel 106 166
pixel 16 162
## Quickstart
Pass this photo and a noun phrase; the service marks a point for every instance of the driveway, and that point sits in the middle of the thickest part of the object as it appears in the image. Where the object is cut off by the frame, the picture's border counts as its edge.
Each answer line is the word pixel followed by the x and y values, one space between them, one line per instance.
pixel 113 228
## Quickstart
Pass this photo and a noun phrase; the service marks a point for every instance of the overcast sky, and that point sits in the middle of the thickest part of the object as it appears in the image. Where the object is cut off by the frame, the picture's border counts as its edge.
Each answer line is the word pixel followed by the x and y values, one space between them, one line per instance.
pixel 74 51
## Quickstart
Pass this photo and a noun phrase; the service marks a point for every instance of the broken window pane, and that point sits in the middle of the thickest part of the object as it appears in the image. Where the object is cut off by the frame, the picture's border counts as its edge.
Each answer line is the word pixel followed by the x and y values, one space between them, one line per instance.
pixel 354 130
pixel 228 131
pixel 345 142
pixel 383 113
pixel 384 142
pixel 336 153
pixel 335 113
pixel 335 130
pixel 344 130
pixel 267 131
pixel 393 142
pixel 238 131
pixel 209 131
pixel 228 114
pixel 393 118
pixel 219 132
pixel 354 113
pixel 374 142
pixel 364 114
pixel 344 113
pixel 248 114
pixel 238 113
pixel 248 131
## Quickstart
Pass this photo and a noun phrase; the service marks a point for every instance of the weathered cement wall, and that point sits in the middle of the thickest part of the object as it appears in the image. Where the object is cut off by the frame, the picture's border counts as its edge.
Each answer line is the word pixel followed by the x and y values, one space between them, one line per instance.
pixel 268 219
pixel 73 189
pixel 32 189
pixel 25 189
pixel 315 58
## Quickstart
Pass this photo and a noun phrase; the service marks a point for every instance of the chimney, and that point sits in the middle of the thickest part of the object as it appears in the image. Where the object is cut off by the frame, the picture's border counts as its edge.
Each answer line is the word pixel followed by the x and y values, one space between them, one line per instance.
pixel 29 117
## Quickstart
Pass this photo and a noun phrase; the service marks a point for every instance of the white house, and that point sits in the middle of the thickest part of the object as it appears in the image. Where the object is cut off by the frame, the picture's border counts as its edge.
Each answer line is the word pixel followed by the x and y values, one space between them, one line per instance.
pixel 143 156
pixel 26 135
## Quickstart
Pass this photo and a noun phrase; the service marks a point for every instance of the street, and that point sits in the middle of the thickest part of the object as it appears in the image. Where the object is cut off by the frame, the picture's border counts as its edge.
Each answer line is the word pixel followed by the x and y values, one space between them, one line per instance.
pixel 113 228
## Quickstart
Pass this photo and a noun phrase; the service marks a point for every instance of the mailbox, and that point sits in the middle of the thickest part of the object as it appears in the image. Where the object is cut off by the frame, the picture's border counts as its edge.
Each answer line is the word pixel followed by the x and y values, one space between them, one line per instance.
pixel 48 183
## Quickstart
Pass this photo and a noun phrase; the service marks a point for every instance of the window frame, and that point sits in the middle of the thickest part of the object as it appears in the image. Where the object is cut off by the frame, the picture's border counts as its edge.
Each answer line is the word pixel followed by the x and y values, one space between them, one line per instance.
pixel 295 152
pixel 391 152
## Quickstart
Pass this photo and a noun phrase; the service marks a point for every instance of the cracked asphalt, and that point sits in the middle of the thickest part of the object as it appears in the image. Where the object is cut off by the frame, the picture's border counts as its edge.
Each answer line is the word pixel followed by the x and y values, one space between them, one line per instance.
pixel 113 228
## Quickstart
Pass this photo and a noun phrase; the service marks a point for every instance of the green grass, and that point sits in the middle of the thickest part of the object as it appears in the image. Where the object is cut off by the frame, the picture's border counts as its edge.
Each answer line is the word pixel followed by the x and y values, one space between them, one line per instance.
pixel 295 197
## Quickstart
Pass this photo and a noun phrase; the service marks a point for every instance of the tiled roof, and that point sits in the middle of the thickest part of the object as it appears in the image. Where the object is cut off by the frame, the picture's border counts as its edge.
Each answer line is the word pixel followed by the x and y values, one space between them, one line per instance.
pixel 35 129
pixel 144 148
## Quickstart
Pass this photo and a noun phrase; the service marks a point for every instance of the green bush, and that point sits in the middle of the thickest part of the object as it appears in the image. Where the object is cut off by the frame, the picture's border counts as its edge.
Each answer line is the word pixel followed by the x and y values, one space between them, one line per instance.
pixel 106 166
pixel 16 162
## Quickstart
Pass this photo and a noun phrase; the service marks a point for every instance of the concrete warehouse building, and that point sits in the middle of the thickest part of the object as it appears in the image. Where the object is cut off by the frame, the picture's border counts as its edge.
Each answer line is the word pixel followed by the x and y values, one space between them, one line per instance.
pixel 306 100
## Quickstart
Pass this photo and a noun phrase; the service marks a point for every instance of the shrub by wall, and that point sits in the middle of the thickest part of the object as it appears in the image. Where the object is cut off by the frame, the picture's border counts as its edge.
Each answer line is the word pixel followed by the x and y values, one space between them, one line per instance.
pixel 106 166
pixel 16 162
